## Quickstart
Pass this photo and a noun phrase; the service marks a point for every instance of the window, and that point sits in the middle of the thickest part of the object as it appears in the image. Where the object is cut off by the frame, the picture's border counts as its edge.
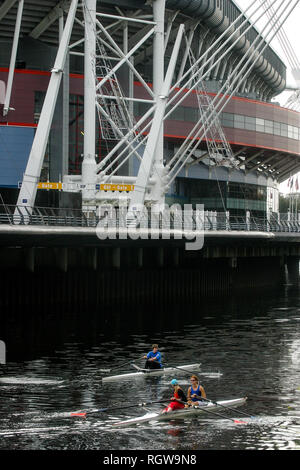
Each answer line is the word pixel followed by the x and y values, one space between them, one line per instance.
pixel 269 127
pixel 191 114
pixel 260 125
pixel 250 123
pixel 141 108
pixel 178 114
pixel 277 128
pixel 293 132
pixel 283 129
pixel 239 121
pixel 227 119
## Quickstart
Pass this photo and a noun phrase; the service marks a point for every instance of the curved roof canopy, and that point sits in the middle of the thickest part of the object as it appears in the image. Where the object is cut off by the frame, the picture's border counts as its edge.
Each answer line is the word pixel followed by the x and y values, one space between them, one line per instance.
pixel 39 21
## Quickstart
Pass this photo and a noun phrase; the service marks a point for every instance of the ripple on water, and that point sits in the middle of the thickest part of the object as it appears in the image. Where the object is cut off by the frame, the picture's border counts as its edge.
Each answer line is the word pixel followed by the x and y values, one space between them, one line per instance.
pixel 29 381
pixel 255 346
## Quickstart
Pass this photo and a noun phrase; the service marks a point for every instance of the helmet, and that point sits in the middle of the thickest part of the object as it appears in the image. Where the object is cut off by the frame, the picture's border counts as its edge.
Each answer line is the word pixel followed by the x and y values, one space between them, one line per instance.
pixel 174 382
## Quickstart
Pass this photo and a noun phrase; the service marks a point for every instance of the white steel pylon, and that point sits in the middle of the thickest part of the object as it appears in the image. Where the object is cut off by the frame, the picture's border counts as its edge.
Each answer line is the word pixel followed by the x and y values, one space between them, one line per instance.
pixel 153 146
pixel 89 149
pixel 32 173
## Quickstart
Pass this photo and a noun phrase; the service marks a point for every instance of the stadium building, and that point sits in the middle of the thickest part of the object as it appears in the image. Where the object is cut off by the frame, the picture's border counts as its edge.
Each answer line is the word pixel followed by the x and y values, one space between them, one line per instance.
pixel 223 142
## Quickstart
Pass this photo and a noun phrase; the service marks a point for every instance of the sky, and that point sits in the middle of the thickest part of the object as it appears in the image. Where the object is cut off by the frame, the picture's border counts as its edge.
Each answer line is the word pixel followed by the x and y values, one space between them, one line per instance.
pixel 291 29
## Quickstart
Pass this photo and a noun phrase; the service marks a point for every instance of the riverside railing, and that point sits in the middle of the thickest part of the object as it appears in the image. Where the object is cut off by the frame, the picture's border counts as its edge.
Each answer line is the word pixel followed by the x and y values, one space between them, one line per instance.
pixel 211 220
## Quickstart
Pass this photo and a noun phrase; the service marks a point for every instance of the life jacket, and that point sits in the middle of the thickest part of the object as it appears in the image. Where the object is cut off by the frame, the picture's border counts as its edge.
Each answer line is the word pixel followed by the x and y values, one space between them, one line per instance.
pixel 182 397
pixel 197 392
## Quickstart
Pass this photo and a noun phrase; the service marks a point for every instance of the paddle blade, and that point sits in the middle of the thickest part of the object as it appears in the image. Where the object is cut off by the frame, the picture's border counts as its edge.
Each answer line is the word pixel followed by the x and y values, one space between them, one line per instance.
pixel 81 414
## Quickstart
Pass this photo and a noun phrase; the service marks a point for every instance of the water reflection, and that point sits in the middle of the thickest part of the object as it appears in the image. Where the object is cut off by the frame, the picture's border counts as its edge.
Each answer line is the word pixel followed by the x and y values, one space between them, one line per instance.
pixel 247 346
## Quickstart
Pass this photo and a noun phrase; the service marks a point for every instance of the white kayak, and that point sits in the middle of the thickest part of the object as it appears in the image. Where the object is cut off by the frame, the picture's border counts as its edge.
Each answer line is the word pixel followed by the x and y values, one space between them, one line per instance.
pixel 152 372
pixel 198 411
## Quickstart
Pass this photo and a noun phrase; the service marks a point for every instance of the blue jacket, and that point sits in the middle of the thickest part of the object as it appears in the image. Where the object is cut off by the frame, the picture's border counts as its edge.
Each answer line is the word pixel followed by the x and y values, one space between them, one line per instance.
pixel 157 356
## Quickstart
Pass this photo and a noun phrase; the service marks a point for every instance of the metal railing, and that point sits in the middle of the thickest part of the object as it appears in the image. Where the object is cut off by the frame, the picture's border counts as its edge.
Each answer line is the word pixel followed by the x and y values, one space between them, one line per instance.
pixel 210 221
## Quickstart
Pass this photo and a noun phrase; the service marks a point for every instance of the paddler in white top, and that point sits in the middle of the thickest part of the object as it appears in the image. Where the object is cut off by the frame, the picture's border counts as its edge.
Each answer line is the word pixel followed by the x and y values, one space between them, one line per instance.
pixel 153 358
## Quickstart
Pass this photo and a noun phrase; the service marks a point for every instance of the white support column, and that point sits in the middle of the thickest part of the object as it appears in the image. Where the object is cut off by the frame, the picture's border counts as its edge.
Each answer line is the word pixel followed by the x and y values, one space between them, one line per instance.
pixel 248 220
pixel 31 177
pixel 227 220
pixel 13 57
pixel 65 94
pixel 89 153
pixel 152 152
pixel 158 80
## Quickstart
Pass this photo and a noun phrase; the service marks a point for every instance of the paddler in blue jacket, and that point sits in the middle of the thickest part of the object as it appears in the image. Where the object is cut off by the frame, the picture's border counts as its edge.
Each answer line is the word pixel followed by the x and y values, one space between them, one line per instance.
pixel 196 392
pixel 153 358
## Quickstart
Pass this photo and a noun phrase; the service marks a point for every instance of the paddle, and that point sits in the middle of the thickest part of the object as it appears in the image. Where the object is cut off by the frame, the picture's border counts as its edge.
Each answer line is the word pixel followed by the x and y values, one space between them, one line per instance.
pixel 221 415
pixel 227 407
pixel 183 370
pixel 118 367
pixel 83 414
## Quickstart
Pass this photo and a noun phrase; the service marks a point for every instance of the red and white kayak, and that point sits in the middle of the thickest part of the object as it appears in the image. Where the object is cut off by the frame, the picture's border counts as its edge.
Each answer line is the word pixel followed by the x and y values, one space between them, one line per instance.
pixel 199 411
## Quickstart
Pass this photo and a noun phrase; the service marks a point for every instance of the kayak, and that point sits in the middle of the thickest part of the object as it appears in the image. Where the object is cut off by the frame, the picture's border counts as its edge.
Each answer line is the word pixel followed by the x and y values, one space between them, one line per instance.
pixel 152 372
pixel 198 411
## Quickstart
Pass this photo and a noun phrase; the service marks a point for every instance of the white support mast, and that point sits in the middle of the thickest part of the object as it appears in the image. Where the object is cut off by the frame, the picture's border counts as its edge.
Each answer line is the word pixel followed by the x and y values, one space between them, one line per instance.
pixel 89 154
pixel 32 173
pixel 158 80
pixel 65 105
pixel 153 143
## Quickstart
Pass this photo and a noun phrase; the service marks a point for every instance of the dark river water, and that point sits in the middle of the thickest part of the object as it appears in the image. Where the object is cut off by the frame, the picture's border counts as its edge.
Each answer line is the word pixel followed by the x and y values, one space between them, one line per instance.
pixel 248 345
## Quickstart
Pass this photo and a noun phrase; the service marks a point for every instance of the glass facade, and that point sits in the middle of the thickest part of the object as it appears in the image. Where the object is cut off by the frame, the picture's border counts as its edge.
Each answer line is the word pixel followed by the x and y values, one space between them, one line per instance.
pixel 237 121
pixel 182 113
pixel 224 195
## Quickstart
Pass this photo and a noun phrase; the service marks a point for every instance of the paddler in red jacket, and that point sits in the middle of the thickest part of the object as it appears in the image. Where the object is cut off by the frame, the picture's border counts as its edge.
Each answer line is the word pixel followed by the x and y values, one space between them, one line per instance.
pixel 178 400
